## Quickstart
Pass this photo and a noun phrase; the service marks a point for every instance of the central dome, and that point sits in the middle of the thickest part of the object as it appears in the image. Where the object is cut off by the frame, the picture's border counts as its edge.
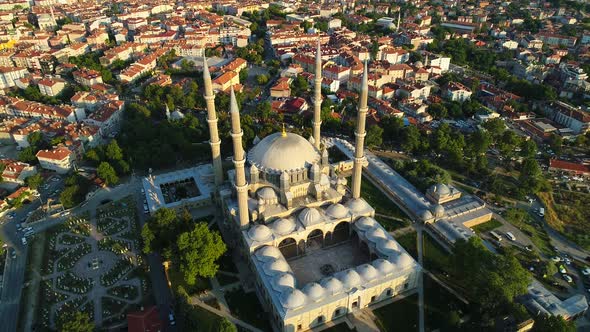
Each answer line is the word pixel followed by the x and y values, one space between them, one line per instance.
pixel 283 153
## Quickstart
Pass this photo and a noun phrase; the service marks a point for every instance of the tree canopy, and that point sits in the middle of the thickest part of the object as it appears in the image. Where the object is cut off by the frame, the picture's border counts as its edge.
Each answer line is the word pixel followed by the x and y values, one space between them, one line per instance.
pixel 75 322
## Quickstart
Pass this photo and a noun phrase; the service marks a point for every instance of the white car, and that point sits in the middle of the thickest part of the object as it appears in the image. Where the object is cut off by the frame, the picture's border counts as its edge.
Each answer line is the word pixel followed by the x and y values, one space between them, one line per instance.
pixel 556 259
pixel 567 261
pixel 568 278
pixel 562 269
pixel 586 271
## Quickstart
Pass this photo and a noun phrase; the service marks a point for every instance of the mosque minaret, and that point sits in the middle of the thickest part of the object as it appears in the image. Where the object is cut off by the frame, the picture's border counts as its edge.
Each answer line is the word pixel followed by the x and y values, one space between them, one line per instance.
pixel 239 162
pixel 317 99
pixel 212 121
pixel 359 149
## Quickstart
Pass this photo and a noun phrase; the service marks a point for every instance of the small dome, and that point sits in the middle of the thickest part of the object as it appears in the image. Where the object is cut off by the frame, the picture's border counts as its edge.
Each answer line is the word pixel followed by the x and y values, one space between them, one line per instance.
pixel 283 226
pixel 337 211
pixel 285 280
pixel 425 215
pixel 350 279
pixel 260 233
pixel 365 223
pixel 309 216
pixel 376 234
pixel 383 266
pixel 368 272
pixel 332 285
pixel 314 291
pixel 358 205
pixel 438 211
pixel 292 299
pixel 418 64
pixel 276 267
pixel 266 193
pixel 441 189
pixel 269 253
pixel 403 260
pixel 388 247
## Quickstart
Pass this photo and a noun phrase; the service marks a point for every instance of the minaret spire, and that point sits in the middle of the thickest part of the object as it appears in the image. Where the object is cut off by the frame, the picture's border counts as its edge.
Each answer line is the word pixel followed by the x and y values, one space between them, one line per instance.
pixel 317 99
pixel 214 140
pixel 239 161
pixel 359 149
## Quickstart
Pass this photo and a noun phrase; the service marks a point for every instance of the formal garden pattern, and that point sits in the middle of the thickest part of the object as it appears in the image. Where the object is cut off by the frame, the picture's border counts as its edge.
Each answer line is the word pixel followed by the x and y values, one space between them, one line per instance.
pixel 92 263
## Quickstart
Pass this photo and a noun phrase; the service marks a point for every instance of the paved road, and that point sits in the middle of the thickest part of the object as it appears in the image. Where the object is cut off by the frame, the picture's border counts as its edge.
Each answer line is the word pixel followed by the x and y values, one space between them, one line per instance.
pixel 14 275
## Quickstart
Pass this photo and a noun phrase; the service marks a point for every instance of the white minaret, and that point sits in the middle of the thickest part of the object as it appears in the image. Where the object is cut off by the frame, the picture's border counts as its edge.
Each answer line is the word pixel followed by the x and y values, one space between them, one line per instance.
pixel 399 20
pixel 212 121
pixel 359 148
pixel 317 99
pixel 239 161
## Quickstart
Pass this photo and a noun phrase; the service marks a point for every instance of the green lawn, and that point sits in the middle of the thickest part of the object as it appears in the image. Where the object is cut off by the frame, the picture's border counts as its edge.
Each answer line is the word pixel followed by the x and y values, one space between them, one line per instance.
pixel 247 307
pixel 379 201
pixel 487 226
pixel 177 280
pixel 442 311
pixel 391 225
pixel 435 257
pixel 408 241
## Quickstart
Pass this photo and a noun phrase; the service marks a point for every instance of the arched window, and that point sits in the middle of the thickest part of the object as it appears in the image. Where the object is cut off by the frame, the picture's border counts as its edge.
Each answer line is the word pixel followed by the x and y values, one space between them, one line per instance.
pixel 288 247
pixel 341 232
pixel 315 239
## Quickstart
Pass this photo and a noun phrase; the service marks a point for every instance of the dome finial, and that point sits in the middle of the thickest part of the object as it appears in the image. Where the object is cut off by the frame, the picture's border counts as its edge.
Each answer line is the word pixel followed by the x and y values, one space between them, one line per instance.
pixel 284 132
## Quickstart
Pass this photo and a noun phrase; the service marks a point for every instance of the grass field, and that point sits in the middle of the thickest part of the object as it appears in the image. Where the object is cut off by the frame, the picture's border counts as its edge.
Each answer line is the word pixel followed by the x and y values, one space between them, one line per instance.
pixel 247 307
pixel 487 226
pixel 442 311
pixel 177 280
pixel 568 213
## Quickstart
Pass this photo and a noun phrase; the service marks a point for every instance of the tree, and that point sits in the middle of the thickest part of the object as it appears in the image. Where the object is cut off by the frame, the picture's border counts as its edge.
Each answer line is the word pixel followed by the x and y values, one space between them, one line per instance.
pixel 113 151
pixel 556 143
pixel 545 323
pixel 224 325
pixel 496 127
pixel 197 252
pixel 528 148
pixel 374 136
pixel 160 232
pixel 531 178
pixel 106 172
pixel 261 79
pixel 34 181
pixel 75 322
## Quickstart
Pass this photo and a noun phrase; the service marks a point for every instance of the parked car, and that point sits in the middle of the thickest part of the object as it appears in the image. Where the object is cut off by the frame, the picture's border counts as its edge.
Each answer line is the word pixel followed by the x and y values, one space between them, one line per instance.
pixel 568 278
pixel 562 269
pixel 556 259
pixel 12 253
pixel 586 271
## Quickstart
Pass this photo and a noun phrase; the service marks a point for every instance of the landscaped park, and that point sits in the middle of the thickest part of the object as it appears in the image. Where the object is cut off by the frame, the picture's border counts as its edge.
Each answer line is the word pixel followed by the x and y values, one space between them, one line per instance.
pixel 91 263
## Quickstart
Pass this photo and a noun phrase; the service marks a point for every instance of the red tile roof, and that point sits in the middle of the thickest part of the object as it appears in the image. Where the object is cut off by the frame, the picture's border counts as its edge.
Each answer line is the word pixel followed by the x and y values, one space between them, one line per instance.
pixel 569 166
pixel 144 321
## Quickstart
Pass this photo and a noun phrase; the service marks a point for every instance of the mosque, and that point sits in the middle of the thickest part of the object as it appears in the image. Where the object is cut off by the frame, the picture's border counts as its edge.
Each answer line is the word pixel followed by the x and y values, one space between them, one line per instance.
pixel 312 243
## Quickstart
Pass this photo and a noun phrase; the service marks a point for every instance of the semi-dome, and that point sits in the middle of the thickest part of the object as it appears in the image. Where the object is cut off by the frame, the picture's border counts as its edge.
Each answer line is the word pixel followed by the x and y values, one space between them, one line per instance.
pixel 285 280
pixel 314 291
pixel 368 272
pixel 350 279
pixel 266 193
pixel 337 211
pixel 269 253
pixel 358 205
pixel 283 226
pixel 309 216
pixel 332 285
pixel 383 266
pixel 365 223
pixel 438 211
pixel 292 299
pixel 260 233
pixel 283 152
pixel 276 267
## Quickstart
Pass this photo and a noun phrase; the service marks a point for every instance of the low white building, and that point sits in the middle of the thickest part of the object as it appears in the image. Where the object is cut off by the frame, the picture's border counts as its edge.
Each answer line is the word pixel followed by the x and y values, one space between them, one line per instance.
pixel 60 159
pixel 455 91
